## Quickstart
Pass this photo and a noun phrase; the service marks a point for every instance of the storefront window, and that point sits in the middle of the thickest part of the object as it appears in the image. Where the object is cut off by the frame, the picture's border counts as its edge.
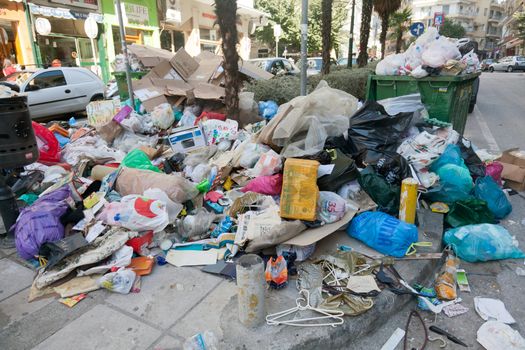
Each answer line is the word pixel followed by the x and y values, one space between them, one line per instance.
pixel 166 37
pixel 62 48
pixel 133 36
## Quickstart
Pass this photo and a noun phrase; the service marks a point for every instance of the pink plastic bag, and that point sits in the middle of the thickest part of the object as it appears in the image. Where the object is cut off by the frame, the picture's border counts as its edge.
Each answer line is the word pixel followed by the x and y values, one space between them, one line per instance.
pixel 494 170
pixel 269 185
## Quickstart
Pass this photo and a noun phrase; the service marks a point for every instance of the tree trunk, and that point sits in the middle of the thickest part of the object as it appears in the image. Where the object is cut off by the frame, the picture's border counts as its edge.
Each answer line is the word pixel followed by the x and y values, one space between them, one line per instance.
pixel 399 42
pixel 382 37
pixel 226 11
pixel 366 16
pixel 326 9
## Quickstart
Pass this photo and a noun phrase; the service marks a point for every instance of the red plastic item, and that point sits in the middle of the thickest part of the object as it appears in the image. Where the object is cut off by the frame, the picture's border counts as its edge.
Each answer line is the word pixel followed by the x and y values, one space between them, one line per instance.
pixel 48 145
pixel 494 170
pixel 210 115
pixel 141 242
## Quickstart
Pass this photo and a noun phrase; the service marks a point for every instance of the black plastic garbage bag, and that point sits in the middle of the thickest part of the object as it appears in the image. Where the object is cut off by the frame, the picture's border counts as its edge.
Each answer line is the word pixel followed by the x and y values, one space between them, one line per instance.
pixel 58 250
pixel 344 171
pixel 371 128
pixel 469 212
pixel 385 195
pixel 391 165
pixel 472 161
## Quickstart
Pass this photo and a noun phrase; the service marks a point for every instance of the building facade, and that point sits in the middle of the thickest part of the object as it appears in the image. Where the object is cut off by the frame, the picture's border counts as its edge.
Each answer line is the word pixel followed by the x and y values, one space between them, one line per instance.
pixel 480 18
pixel 511 44
pixel 15 40
pixel 374 46
pixel 191 24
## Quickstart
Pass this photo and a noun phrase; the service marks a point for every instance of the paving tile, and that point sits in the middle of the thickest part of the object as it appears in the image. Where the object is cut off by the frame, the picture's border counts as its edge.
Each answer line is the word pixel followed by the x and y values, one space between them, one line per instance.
pixel 168 343
pixel 13 278
pixel 206 315
pixel 102 328
pixel 167 294
pixel 16 307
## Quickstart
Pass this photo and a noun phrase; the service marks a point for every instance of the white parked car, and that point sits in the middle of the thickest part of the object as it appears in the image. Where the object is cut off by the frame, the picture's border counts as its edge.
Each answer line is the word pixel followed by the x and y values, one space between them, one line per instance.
pixel 508 64
pixel 55 91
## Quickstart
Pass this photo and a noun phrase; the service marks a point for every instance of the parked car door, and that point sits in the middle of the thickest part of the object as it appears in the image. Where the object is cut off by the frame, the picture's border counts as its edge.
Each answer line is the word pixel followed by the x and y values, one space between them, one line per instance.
pixel 48 94
pixel 520 62
pixel 83 85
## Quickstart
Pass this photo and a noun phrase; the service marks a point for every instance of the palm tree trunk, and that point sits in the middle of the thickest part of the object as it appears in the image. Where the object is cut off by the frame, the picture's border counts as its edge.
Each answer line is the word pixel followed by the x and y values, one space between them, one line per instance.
pixel 399 42
pixel 326 10
pixel 226 11
pixel 366 17
pixel 382 36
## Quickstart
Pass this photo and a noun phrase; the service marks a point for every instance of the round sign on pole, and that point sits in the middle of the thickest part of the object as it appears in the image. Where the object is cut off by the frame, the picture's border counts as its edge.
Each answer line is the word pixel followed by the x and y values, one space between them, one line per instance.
pixel 91 28
pixel 42 26
pixel 417 28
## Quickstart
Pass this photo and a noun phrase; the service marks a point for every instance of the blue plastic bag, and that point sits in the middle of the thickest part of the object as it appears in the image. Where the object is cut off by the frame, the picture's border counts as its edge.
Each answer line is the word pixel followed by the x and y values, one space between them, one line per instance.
pixel 483 242
pixel 384 233
pixel 456 184
pixel 268 109
pixel 452 155
pixel 489 191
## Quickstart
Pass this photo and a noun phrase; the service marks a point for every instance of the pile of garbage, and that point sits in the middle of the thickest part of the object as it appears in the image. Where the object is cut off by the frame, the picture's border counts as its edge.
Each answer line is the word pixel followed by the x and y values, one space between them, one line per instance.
pixel 183 184
pixel 431 54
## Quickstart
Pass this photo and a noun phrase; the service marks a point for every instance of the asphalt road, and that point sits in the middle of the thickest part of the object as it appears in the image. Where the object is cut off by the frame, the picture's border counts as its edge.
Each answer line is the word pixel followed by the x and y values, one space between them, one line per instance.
pixel 498 121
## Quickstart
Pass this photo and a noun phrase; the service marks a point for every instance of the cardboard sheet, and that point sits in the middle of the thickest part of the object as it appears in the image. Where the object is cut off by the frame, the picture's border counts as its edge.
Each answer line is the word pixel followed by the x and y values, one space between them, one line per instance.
pixel 181 258
pixel 316 234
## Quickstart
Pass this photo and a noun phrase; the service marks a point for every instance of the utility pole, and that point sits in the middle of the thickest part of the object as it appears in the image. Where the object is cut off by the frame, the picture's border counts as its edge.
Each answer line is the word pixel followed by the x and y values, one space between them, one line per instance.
pixel 304 43
pixel 351 39
pixel 125 51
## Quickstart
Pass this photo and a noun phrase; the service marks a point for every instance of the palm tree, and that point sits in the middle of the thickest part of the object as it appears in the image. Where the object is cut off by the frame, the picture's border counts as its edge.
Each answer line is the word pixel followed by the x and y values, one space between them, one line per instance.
pixel 226 11
pixel 366 17
pixel 400 22
pixel 326 20
pixel 385 8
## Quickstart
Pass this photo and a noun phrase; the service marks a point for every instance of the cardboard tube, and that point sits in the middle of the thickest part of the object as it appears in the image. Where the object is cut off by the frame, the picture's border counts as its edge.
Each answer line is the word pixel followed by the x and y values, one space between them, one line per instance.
pixel 250 290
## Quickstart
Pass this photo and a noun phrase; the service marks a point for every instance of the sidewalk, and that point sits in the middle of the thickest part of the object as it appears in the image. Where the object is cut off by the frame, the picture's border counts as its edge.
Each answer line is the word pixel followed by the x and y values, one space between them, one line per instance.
pixel 174 304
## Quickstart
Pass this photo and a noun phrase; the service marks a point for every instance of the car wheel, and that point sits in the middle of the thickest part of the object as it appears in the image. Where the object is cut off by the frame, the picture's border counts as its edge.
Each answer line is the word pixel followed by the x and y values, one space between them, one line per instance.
pixel 491 69
pixel 97 97
pixel 510 69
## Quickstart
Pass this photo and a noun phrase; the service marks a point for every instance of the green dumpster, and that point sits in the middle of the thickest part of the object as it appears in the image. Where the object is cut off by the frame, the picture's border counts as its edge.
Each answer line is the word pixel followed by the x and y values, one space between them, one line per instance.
pixel 122 83
pixel 446 98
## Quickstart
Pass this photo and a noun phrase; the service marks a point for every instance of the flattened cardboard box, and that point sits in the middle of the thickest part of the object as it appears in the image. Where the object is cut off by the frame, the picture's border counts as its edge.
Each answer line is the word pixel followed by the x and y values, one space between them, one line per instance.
pixel 513 169
pixel 184 64
pixel 150 56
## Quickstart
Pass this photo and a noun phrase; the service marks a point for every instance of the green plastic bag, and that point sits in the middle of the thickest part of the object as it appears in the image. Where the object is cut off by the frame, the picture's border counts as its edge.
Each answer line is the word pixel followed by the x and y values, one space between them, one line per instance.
pixel 385 195
pixel 137 159
pixel 469 212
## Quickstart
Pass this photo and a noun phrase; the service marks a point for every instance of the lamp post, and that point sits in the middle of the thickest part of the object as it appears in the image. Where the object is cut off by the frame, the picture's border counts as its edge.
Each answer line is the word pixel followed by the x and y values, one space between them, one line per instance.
pixel 351 39
pixel 304 43
pixel 277 31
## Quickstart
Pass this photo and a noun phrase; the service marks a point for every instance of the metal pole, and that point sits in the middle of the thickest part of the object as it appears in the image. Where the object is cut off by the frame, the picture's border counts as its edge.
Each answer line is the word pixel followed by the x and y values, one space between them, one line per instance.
pixel 304 48
pixel 95 61
pixel 276 46
pixel 125 51
pixel 351 39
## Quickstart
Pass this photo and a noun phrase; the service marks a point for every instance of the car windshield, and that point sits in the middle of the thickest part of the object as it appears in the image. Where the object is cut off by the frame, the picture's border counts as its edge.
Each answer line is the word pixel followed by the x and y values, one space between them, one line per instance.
pixel 520 58
pixel 489 61
pixel 17 78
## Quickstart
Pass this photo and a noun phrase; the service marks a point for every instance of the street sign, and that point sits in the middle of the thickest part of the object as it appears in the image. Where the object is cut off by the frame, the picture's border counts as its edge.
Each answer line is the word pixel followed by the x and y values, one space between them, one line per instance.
pixel 277 31
pixel 417 28
pixel 439 19
pixel 42 26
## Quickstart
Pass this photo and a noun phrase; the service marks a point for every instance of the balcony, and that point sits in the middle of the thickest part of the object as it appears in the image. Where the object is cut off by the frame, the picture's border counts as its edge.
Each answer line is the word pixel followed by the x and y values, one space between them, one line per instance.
pixel 494 4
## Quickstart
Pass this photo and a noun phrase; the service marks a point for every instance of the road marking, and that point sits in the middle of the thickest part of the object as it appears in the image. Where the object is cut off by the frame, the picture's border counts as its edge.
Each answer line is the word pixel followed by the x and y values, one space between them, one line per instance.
pixel 485 130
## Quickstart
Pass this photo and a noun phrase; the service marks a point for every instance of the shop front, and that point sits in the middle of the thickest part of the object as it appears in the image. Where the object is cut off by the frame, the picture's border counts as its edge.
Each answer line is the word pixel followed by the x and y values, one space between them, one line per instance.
pixel 191 23
pixel 140 21
pixel 60 36
pixel 15 42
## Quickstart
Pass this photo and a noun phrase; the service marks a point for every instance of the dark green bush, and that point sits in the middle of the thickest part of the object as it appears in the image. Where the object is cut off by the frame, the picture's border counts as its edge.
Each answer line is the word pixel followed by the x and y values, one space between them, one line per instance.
pixel 283 89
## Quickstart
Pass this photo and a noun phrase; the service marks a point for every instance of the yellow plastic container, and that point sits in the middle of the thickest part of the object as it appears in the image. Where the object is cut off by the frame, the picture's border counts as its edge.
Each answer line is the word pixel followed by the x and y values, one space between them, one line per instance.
pixel 408 200
pixel 300 192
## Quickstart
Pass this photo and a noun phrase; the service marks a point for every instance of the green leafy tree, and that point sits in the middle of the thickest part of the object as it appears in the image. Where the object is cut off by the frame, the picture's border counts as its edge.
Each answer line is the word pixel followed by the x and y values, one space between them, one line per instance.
pixel 287 13
pixel 400 22
pixel 366 17
pixel 385 9
pixel 452 30
pixel 520 25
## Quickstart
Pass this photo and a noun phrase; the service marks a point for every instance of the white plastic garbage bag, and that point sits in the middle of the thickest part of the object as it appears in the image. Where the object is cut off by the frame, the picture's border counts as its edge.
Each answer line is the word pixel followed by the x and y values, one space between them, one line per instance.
pixel 391 64
pixel 439 52
pixel 162 116
pixel 118 282
pixel 494 335
pixel 173 208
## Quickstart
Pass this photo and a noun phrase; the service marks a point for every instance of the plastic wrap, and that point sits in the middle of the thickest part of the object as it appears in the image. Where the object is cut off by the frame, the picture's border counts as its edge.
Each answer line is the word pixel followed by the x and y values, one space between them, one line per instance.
pixel 162 116
pixel 118 282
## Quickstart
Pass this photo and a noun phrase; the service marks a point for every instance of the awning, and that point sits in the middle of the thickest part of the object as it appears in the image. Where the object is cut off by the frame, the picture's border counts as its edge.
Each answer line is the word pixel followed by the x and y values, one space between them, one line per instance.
pixel 514 43
pixel 63 13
